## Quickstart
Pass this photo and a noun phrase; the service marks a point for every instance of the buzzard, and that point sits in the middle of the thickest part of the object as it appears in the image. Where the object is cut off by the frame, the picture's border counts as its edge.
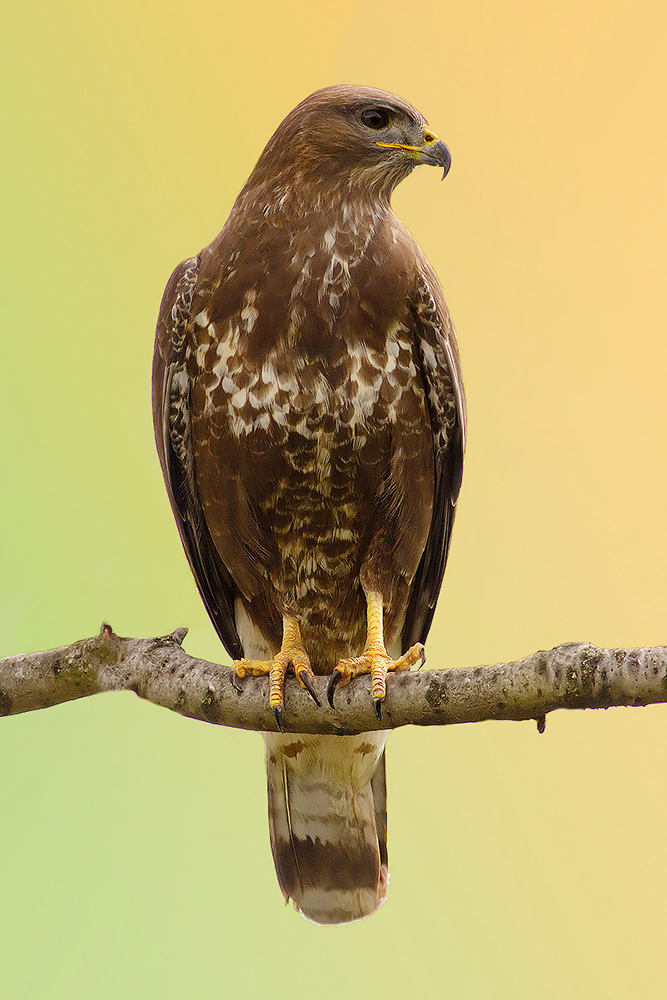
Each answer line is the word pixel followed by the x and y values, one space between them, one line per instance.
pixel 310 421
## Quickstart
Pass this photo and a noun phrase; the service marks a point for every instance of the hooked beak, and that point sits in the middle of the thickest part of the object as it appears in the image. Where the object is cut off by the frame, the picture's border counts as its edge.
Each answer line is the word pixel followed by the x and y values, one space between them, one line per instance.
pixel 437 154
pixel 433 151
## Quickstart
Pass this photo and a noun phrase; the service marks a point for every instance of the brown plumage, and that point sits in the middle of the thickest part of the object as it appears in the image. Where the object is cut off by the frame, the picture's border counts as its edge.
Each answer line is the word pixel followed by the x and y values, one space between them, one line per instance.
pixel 310 423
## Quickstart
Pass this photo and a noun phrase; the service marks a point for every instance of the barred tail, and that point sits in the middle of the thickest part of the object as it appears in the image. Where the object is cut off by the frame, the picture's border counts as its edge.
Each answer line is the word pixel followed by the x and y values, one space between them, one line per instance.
pixel 328 823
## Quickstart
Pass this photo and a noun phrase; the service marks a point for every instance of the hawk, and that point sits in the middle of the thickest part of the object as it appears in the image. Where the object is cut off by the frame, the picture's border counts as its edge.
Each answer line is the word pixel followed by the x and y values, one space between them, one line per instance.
pixel 310 422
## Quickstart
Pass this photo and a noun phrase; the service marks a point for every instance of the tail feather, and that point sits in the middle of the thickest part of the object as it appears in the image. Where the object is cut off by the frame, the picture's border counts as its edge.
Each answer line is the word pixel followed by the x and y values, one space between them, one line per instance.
pixel 327 820
pixel 379 788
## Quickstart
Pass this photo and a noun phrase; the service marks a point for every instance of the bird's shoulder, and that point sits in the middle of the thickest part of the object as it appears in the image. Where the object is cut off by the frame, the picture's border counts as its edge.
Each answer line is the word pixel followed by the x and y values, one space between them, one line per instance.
pixel 176 310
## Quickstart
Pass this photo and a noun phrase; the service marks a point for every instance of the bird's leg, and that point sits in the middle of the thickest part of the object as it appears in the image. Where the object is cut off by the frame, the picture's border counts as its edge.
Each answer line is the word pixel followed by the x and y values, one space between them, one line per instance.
pixel 292 655
pixel 374 660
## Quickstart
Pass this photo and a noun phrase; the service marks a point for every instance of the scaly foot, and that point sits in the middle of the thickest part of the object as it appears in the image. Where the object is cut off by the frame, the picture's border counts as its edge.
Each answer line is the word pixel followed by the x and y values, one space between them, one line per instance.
pixel 377 663
pixel 292 656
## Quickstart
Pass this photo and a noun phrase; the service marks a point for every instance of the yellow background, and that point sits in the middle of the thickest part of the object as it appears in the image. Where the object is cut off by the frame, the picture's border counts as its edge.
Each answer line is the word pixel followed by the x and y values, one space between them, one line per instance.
pixel 134 850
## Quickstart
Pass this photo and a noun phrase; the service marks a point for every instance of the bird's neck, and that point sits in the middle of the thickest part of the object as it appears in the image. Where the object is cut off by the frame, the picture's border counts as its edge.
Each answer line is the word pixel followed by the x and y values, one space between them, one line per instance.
pixel 293 197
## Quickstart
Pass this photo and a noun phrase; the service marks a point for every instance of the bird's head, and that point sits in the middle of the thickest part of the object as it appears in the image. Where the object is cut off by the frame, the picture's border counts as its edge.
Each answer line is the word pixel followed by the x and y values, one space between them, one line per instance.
pixel 356 136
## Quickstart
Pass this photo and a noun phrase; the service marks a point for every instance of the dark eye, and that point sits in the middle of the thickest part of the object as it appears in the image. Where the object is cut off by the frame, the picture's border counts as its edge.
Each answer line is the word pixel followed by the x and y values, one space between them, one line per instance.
pixel 375 118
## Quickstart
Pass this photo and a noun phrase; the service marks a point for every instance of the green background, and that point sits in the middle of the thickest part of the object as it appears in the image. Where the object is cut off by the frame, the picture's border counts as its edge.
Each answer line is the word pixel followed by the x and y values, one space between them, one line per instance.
pixel 134 850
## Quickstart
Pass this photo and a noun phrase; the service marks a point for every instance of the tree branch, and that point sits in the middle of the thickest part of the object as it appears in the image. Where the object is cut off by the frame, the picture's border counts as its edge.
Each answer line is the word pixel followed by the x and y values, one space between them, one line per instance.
pixel 574 675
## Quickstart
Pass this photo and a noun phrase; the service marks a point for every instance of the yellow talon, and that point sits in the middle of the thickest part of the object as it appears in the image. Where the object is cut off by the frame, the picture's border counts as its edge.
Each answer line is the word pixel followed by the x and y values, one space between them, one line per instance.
pixel 374 660
pixel 292 656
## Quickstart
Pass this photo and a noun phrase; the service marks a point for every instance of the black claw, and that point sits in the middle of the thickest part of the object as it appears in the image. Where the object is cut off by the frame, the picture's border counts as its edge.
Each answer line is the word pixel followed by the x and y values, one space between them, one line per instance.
pixel 278 712
pixel 234 678
pixel 377 705
pixel 331 686
pixel 423 659
pixel 308 684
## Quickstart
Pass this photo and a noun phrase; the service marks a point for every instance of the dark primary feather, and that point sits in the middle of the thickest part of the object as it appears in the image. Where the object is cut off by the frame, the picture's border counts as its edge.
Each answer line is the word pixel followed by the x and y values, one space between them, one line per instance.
pixel 171 413
pixel 441 374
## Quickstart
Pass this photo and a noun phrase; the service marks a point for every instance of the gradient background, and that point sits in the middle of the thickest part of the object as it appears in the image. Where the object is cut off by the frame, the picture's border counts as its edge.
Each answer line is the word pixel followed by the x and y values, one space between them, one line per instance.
pixel 134 850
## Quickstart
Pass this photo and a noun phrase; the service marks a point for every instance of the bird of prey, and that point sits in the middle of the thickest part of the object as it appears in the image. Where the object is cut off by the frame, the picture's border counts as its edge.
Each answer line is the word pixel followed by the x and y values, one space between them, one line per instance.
pixel 310 422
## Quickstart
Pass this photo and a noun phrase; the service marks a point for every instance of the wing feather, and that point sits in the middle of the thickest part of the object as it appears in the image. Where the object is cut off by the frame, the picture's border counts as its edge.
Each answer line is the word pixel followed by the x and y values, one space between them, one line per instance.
pixel 172 421
pixel 438 358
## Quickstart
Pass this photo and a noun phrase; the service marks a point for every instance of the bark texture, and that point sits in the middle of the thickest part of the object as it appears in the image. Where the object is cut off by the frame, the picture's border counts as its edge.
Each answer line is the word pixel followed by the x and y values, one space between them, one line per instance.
pixel 574 675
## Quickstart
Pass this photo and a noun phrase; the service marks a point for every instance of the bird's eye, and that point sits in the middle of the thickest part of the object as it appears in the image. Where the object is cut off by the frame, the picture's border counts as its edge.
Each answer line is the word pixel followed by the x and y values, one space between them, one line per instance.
pixel 375 118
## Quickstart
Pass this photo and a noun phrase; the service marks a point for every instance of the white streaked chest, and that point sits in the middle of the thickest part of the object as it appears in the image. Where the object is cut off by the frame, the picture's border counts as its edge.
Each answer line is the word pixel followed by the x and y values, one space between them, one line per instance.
pixel 289 391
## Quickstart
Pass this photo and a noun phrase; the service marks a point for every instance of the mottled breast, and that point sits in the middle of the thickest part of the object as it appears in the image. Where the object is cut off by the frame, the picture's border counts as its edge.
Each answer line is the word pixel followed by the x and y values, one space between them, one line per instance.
pixel 305 392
